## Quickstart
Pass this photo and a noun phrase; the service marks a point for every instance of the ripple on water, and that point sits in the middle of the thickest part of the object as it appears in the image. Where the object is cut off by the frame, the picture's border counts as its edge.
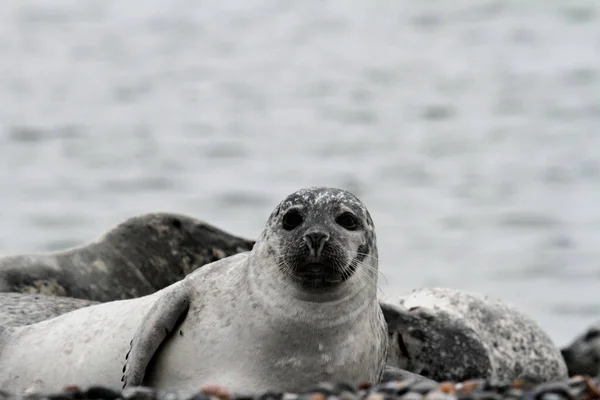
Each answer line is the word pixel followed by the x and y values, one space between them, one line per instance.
pixel 225 150
pixel 528 220
pixel 139 184
pixel 241 199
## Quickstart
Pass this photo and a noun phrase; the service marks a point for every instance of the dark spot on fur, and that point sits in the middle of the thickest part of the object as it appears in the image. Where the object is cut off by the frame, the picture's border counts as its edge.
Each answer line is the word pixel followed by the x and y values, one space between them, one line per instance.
pixel 176 223
pixel 417 334
pixel 180 333
pixel 413 309
pixel 124 368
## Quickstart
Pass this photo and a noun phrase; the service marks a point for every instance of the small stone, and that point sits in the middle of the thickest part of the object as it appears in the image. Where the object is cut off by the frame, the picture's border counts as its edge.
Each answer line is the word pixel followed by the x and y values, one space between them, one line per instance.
pixel 345 387
pixel 243 397
pixel 324 388
pixel 435 395
pixel 270 396
pixel 62 396
pixel 164 395
pixel 560 389
pixel 217 391
pixel 394 388
pixel 412 396
pixel 551 396
pixel 424 387
pixel 139 393
pixel 447 387
pixel 470 386
pixel 365 386
pixel 514 394
pixel 348 396
pixel 98 392
pixel 592 387
pixel 198 396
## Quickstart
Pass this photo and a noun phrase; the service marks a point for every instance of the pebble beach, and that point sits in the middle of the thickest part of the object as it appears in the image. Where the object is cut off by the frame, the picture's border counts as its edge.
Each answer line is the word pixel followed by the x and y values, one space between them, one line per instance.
pixel 577 388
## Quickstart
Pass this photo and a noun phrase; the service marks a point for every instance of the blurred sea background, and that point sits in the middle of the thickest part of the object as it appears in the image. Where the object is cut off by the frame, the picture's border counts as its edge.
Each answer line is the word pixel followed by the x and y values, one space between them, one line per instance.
pixel 471 130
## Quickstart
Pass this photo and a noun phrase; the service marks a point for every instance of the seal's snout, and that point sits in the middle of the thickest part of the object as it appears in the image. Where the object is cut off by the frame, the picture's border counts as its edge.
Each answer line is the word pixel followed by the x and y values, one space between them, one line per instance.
pixel 315 241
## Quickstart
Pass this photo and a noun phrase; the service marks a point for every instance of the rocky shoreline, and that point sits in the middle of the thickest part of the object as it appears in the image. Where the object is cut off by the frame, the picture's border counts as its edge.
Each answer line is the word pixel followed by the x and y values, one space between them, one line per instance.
pixel 576 388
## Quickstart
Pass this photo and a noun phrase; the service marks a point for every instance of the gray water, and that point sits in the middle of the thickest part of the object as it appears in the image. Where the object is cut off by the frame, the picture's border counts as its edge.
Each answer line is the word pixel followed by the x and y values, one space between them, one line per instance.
pixel 470 130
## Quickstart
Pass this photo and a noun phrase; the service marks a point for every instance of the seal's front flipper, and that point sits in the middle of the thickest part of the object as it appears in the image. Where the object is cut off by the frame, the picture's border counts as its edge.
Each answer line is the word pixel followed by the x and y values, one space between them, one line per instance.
pixel 170 309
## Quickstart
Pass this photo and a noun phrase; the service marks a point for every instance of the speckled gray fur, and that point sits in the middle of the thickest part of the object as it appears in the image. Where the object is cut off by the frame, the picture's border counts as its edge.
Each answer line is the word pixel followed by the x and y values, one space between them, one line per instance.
pixel 582 355
pixel 22 309
pixel 241 322
pixel 137 257
pixel 448 334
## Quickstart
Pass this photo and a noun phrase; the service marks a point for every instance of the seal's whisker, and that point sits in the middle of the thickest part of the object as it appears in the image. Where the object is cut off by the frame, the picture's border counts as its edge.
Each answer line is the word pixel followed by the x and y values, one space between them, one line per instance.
pixel 365 273
pixel 377 259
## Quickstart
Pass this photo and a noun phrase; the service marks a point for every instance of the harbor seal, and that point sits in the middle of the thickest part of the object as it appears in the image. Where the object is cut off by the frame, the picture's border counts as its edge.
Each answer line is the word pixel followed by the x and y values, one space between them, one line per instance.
pixel 139 256
pixel 447 334
pixel 582 355
pixel 23 309
pixel 298 309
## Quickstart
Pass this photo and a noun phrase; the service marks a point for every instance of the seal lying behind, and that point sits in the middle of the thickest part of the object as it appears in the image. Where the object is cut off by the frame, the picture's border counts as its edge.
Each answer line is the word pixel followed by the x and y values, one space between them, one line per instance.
pixel 446 334
pixel 137 257
pixel 582 355
pixel 300 308
pixel 23 309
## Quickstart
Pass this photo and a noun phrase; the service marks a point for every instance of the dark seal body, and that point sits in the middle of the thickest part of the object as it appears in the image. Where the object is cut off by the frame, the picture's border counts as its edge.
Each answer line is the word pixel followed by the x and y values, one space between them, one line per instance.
pixel 582 355
pixel 137 257
pixel 17 309
pixel 447 334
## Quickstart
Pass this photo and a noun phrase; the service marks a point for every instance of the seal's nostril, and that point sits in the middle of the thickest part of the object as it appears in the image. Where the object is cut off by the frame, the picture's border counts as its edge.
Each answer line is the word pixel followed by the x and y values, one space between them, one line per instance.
pixel 315 240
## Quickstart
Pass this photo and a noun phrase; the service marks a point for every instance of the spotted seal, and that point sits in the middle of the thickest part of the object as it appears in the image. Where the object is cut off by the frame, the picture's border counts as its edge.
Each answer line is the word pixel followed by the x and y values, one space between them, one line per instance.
pixel 137 257
pixel 582 355
pixel 24 309
pixel 298 309
pixel 447 334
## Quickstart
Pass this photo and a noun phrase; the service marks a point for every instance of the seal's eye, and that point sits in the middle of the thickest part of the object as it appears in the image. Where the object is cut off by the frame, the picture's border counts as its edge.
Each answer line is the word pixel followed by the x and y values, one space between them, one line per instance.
pixel 348 221
pixel 291 220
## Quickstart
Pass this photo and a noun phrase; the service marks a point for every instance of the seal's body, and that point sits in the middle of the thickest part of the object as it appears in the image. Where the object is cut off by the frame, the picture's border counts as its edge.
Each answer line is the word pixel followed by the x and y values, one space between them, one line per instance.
pixel 19 309
pixel 582 355
pixel 139 256
pixel 447 334
pixel 298 309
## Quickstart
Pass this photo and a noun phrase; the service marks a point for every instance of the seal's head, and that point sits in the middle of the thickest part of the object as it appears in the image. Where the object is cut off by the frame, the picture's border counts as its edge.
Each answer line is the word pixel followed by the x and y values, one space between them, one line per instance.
pixel 582 356
pixel 434 344
pixel 320 238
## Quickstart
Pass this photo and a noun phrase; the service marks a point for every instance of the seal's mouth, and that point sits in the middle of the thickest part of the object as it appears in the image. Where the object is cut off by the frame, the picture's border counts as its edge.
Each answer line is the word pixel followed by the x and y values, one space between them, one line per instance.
pixel 318 275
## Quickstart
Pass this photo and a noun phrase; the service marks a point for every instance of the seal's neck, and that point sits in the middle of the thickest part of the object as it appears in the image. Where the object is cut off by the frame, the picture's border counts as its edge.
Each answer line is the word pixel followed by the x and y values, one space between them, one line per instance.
pixel 278 296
